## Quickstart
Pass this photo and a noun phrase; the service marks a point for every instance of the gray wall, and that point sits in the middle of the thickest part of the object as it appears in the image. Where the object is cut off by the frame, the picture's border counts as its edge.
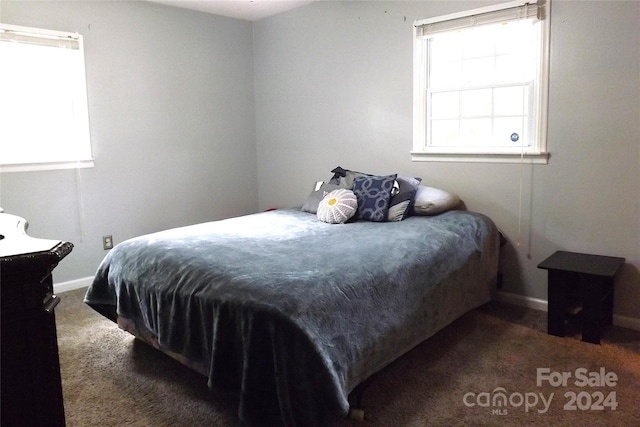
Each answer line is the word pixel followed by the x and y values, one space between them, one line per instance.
pixel 333 86
pixel 172 126
pixel 180 103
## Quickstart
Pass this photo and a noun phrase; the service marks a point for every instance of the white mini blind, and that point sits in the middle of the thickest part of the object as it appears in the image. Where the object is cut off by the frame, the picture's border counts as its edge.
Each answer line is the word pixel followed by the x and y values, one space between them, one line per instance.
pixel 490 15
pixel 54 39
pixel 44 120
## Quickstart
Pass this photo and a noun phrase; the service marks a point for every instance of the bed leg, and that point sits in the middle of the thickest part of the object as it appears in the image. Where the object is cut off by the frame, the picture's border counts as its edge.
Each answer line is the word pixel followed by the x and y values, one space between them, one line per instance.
pixel 356 410
pixel 356 414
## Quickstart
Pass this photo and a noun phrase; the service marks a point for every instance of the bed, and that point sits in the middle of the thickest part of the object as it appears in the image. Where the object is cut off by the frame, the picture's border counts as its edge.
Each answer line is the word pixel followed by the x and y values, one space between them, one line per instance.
pixel 293 313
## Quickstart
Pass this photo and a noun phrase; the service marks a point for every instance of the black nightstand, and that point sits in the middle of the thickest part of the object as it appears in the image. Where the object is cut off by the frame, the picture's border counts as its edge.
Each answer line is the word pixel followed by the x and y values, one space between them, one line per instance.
pixel 580 285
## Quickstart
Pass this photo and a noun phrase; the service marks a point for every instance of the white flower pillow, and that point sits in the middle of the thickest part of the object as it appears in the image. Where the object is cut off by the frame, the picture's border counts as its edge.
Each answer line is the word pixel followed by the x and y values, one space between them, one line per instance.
pixel 338 206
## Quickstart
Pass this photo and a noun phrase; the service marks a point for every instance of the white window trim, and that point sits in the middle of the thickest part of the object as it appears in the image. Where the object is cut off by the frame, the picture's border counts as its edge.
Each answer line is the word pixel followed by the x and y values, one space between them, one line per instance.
pixel 536 154
pixel 83 162
pixel 28 167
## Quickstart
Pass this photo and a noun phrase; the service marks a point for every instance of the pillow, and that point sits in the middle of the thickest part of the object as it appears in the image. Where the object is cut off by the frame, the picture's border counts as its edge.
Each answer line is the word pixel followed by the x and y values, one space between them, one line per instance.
pixel 345 177
pixel 338 173
pixel 373 194
pixel 311 204
pixel 338 206
pixel 432 201
pixel 401 204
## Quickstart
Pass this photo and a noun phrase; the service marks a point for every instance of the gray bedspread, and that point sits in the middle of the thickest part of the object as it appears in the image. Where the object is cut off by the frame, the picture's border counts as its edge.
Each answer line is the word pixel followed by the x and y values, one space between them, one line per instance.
pixel 293 313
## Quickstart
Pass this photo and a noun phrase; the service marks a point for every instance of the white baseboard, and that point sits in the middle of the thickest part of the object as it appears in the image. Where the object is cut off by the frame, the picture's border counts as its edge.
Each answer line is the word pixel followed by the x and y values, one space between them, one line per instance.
pixel 542 305
pixel 522 301
pixel 626 322
pixel 84 282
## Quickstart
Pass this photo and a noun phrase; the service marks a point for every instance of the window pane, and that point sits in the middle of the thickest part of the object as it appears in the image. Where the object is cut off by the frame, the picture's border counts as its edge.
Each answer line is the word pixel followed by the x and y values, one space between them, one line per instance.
pixel 445 53
pixel 445 105
pixel 479 71
pixel 446 47
pixel 513 68
pixel 475 132
pixel 509 101
pixel 475 102
pixel 504 128
pixel 444 132
pixel 479 41
pixel 445 74
pixel 513 35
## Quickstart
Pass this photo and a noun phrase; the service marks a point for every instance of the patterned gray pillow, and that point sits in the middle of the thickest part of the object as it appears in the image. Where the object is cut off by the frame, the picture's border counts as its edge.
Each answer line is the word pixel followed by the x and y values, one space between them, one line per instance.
pixel 373 194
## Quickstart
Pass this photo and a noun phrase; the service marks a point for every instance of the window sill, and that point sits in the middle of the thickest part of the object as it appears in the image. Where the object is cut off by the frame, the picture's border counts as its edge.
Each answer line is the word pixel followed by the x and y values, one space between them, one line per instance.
pixel 28 167
pixel 529 158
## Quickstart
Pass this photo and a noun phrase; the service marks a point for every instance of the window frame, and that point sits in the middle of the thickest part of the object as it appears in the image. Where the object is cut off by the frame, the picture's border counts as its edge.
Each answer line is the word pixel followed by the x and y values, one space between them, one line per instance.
pixel 537 152
pixel 79 99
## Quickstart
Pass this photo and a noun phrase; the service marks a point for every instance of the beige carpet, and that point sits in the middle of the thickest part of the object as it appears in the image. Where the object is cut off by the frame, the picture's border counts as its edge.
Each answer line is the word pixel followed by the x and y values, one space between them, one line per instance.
pixel 110 379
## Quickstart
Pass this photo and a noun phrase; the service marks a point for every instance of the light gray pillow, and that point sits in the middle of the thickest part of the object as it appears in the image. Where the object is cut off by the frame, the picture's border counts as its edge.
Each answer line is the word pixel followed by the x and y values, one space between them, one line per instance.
pixel 432 201
pixel 314 199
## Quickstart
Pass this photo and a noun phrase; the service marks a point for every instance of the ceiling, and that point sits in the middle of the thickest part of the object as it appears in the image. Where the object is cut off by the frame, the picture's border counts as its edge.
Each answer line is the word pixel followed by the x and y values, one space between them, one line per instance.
pixel 250 10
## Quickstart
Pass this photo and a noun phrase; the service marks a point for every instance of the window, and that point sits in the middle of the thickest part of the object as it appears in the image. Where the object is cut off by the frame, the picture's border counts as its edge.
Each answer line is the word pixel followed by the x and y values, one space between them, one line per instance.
pixel 480 85
pixel 44 122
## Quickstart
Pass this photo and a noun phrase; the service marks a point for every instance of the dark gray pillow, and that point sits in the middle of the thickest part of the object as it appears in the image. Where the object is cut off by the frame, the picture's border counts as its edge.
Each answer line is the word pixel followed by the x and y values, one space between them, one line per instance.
pixel 401 204
pixel 345 177
pixel 314 199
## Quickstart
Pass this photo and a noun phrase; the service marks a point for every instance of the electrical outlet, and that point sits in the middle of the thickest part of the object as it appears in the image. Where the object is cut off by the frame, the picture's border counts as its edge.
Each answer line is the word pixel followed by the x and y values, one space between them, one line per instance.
pixel 107 242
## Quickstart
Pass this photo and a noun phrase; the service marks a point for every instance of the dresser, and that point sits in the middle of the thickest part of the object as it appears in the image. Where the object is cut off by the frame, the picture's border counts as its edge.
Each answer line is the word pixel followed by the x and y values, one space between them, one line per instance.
pixel 31 393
